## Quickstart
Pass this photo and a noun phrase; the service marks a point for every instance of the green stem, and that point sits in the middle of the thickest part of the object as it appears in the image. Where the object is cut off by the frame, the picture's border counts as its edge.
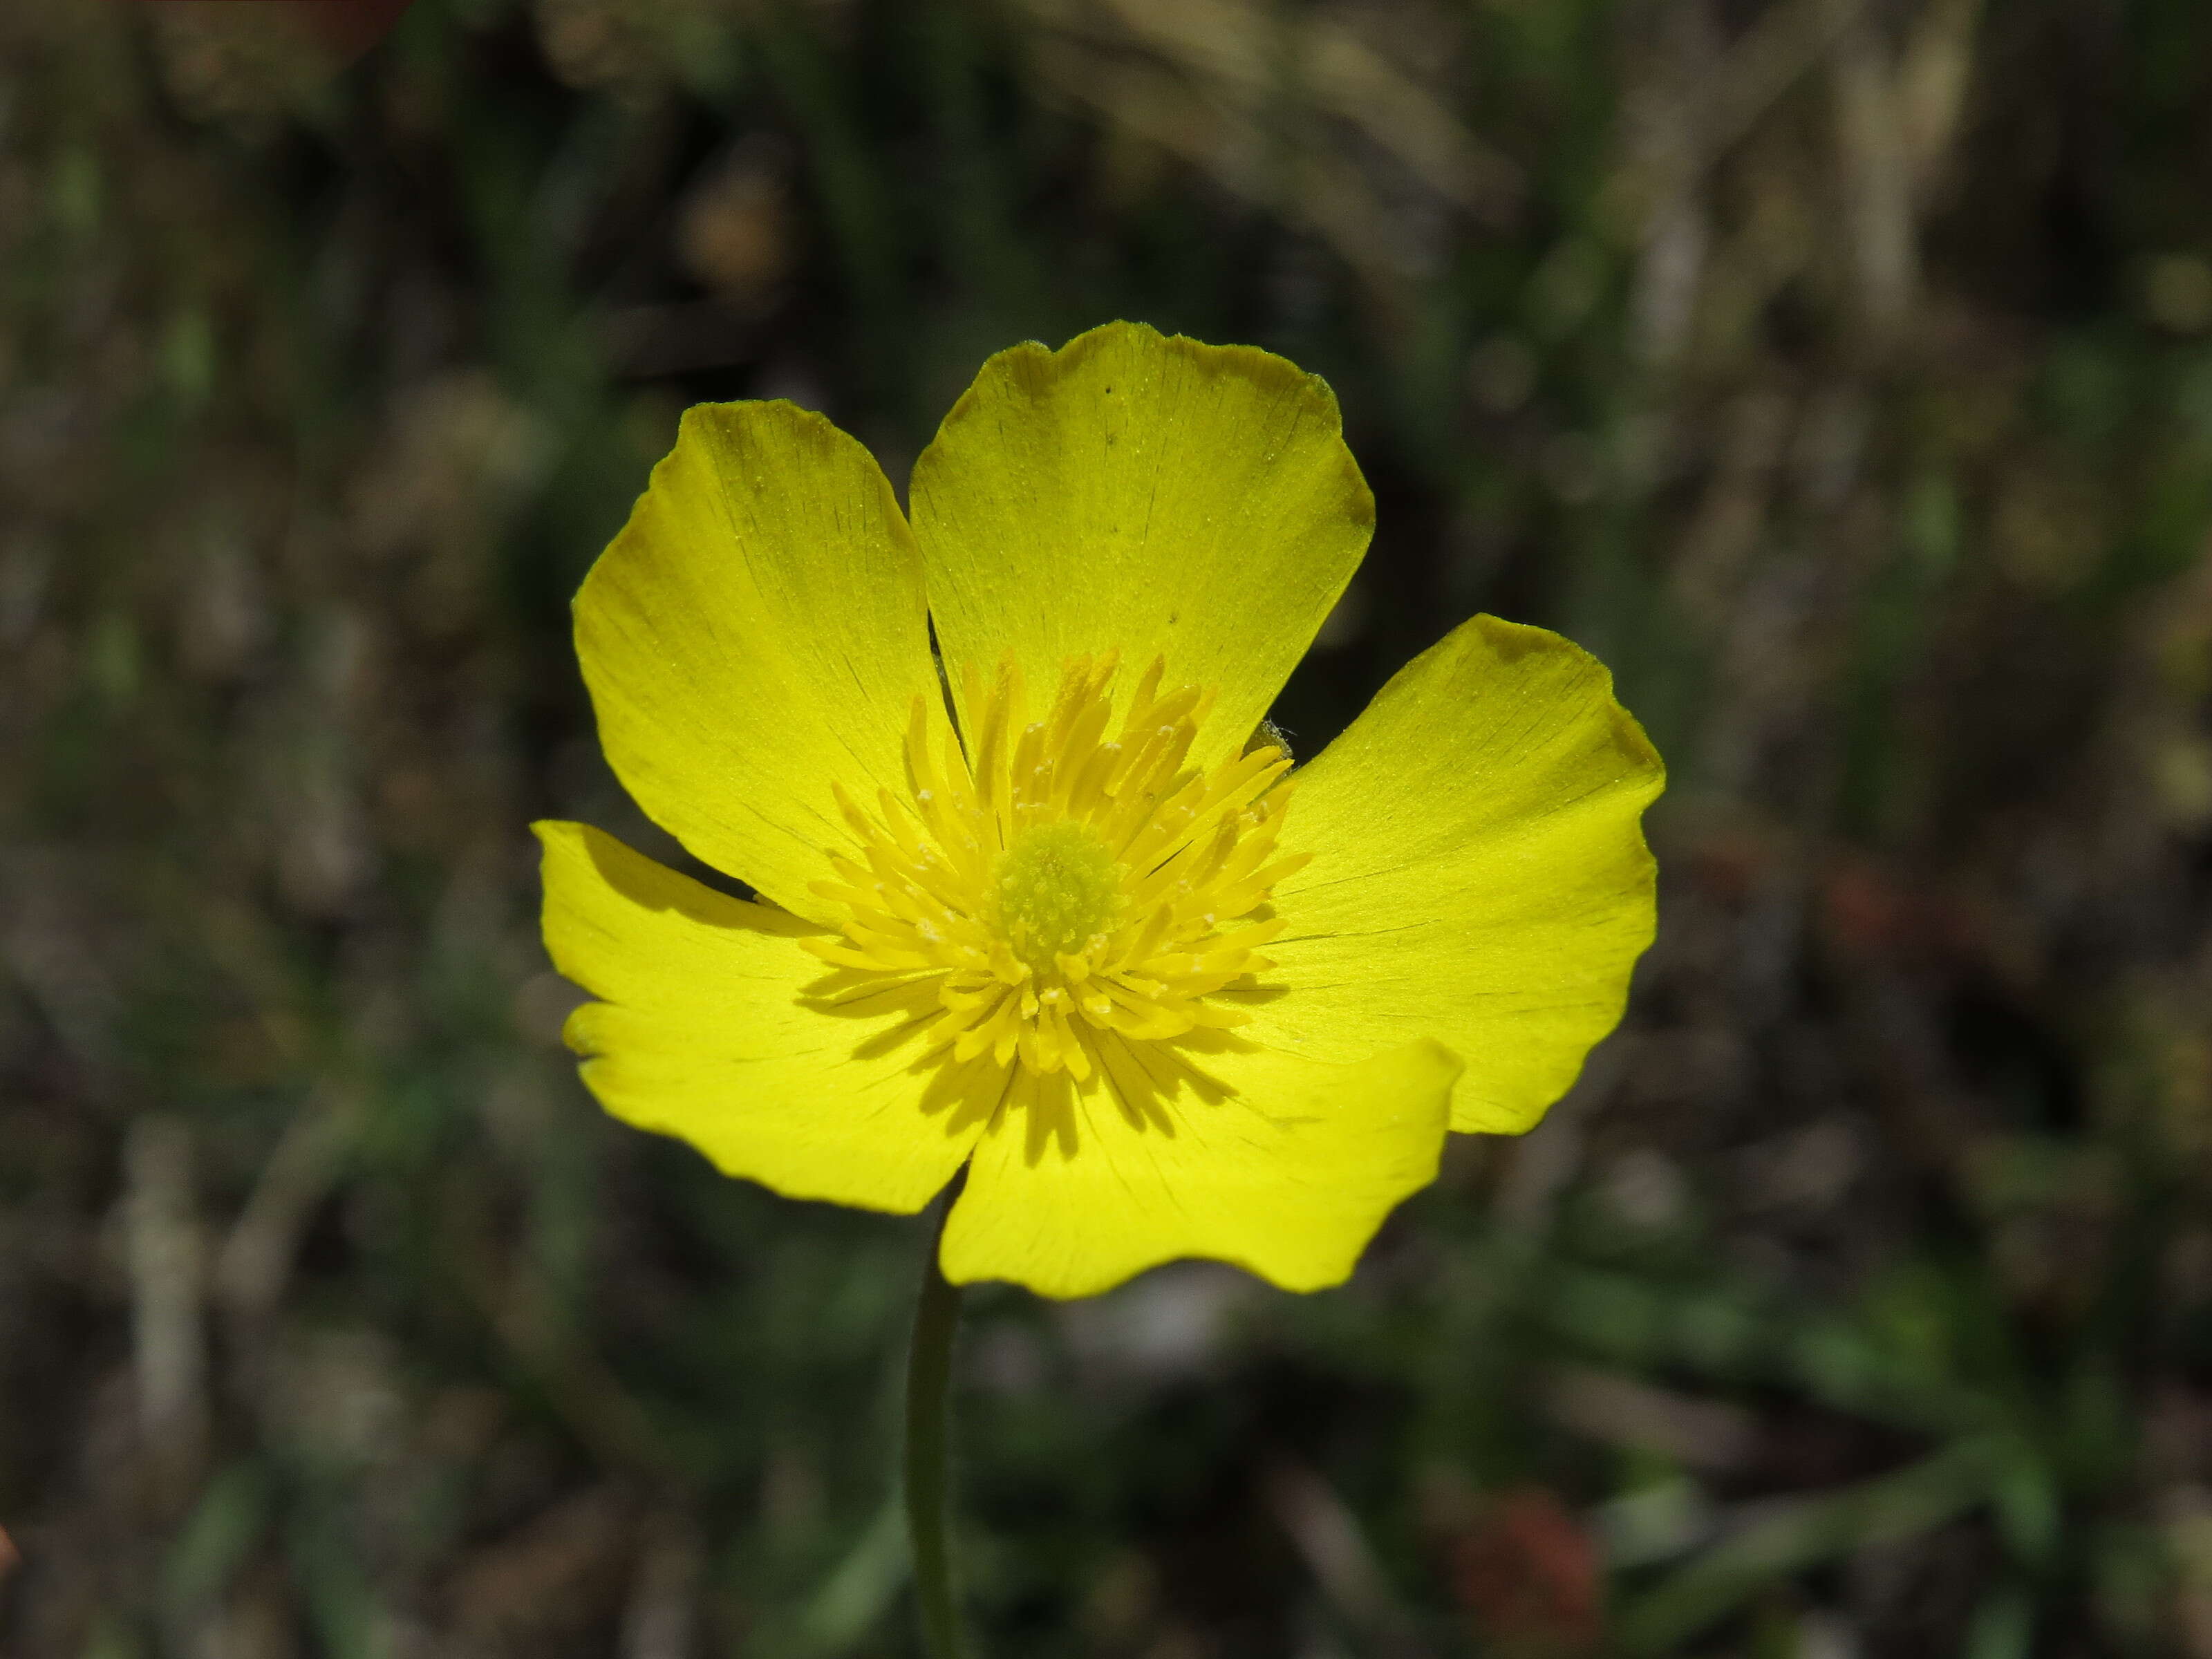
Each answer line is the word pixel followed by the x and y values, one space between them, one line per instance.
pixel 929 1368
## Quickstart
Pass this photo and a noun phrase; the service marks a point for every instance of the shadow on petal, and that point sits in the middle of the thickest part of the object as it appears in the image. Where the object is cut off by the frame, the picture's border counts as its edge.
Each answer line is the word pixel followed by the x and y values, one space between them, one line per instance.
pixel 654 886
pixel 966 1093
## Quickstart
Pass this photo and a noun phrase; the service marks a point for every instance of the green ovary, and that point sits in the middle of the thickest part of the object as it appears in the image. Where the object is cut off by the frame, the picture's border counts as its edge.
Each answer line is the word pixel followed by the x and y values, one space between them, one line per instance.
pixel 1054 890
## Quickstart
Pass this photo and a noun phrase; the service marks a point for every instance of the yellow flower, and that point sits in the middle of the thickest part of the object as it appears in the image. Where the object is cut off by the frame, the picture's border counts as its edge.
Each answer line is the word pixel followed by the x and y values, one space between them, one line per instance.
pixel 1062 914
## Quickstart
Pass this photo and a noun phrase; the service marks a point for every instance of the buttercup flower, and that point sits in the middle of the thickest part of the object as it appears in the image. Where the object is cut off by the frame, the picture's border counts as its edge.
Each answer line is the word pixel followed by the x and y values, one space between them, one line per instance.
pixel 1061 911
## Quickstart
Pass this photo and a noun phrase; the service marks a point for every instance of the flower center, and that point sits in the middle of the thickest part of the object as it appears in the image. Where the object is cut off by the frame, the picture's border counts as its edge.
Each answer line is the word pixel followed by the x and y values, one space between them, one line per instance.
pixel 1060 891
pixel 1057 889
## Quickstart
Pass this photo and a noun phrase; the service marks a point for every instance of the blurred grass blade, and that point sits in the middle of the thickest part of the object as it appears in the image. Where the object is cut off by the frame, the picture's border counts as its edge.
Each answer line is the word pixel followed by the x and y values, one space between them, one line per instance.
pixel 860 1590
pixel 1797 1534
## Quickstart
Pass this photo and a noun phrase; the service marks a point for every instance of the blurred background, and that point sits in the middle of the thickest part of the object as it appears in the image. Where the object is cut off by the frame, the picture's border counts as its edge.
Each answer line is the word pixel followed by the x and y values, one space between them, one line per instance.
pixel 1840 370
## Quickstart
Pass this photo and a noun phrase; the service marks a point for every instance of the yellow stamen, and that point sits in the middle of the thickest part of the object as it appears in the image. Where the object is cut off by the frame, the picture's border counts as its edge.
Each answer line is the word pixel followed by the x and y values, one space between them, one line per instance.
pixel 1060 884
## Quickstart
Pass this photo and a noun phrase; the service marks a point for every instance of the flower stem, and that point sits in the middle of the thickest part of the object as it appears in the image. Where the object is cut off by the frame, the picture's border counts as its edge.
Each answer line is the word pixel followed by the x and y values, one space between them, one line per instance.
pixel 929 1366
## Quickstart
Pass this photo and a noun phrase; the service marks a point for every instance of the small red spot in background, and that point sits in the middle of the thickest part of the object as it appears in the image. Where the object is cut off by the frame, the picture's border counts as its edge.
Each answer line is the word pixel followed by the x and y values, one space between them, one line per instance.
pixel 1728 868
pixel 1870 913
pixel 1867 913
pixel 9 1559
pixel 349 27
pixel 1530 1576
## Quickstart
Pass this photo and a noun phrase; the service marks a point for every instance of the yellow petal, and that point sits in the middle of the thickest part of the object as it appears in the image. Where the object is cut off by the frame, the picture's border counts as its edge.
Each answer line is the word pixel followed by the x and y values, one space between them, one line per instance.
pixel 718 1028
pixel 1480 874
pixel 1283 1166
pixel 757 633
pixel 1147 494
